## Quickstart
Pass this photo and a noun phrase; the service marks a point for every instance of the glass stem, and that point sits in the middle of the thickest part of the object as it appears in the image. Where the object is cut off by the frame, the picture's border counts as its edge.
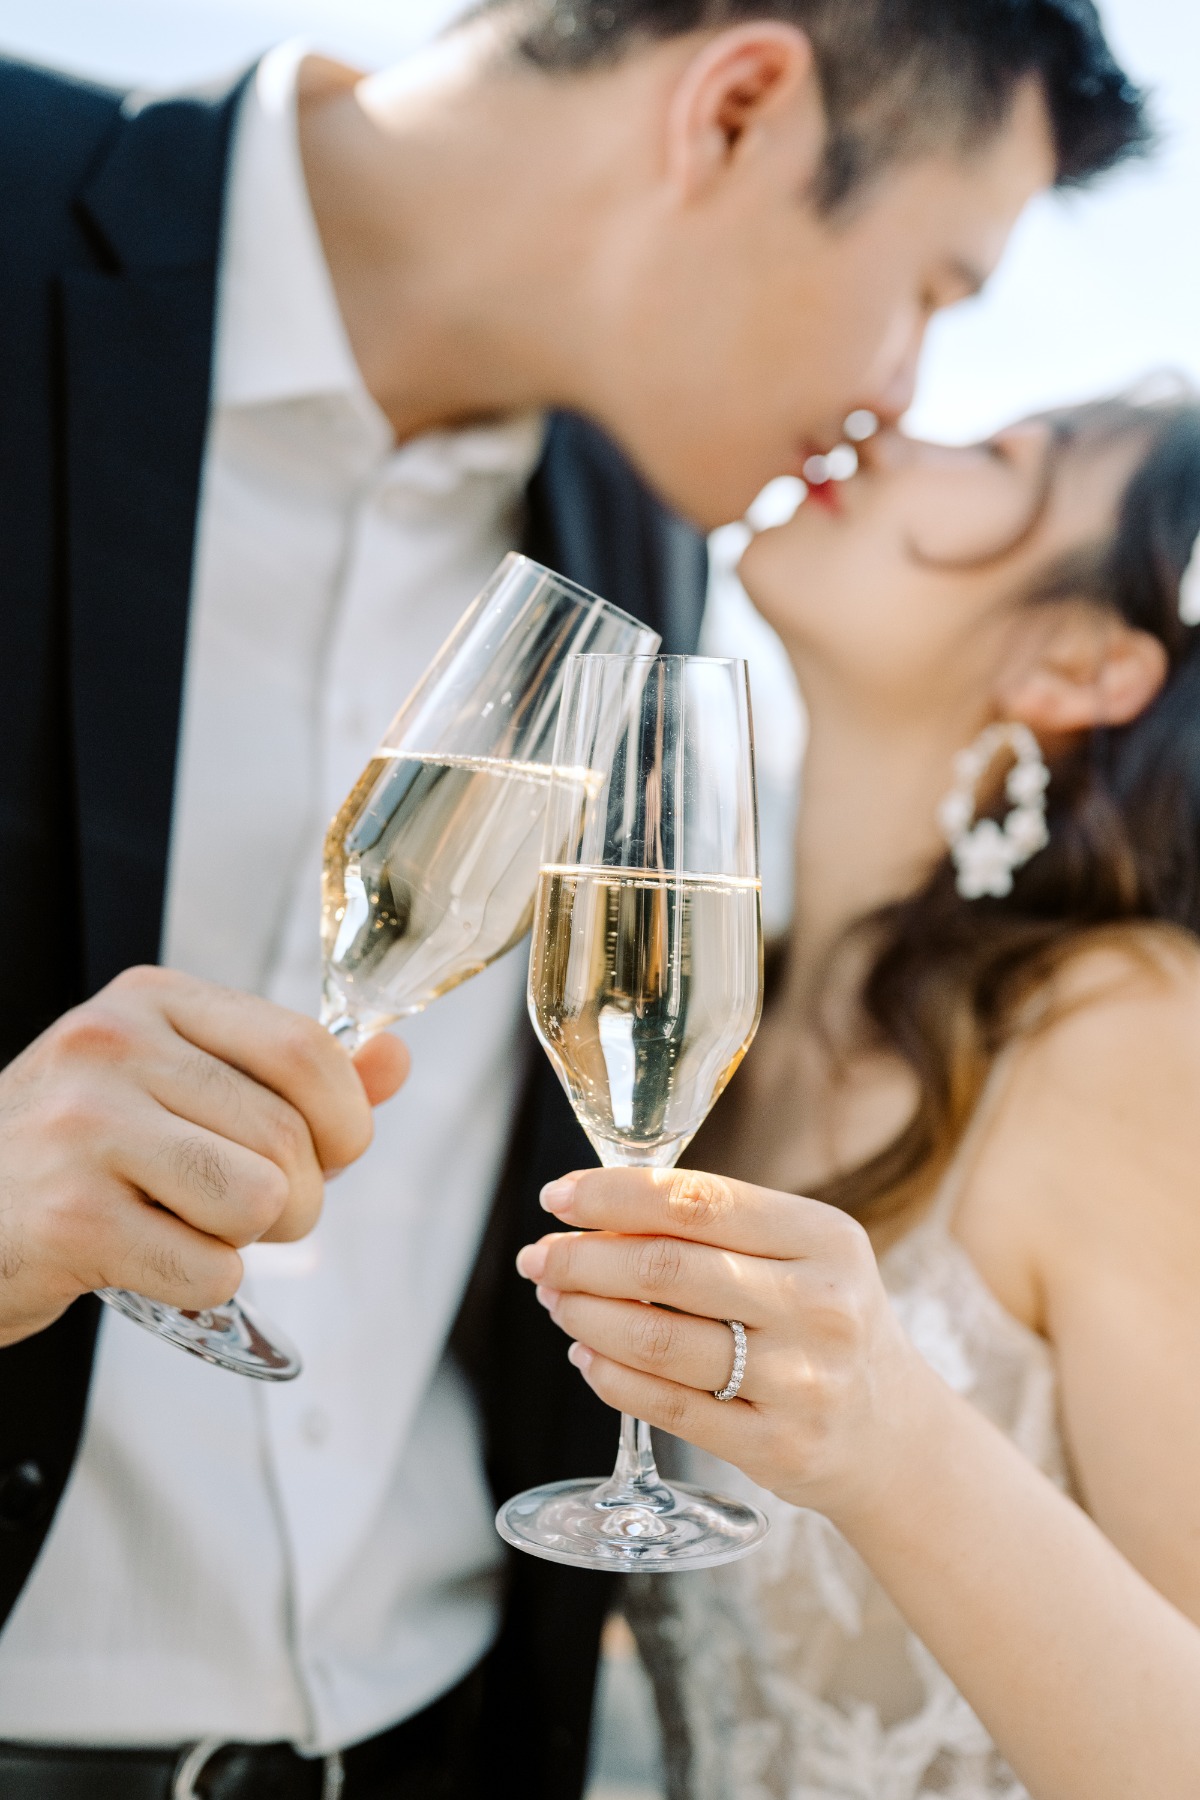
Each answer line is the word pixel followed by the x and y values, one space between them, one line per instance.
pixel 636 1478
pixel 345 1029
pixel 635 1458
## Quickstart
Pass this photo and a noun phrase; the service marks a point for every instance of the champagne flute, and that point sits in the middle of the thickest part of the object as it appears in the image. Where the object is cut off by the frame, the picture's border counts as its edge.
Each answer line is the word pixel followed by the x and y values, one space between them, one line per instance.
pixel 431 864
pixel 645 988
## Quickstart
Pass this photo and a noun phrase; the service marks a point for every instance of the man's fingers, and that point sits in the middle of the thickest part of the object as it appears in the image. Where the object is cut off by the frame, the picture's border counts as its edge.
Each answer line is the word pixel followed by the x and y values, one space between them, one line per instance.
pixel 695 1353
pixel 206 1093
pixel 711 1284
pixel 201 1088
pixel 166 1260
pixel 100 1233
pixel 719 1426
pixel 382 1063
pixel 216 1185
pixel 687 1203
pixel 283 1051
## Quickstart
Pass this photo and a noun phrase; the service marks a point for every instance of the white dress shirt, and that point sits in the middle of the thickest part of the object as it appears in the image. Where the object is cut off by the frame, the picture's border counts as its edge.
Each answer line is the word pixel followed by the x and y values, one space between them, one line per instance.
pixel 314 1561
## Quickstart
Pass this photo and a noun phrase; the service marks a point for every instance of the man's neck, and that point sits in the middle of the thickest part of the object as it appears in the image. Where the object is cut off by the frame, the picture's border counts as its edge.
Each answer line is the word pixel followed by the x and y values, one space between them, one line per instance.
pixel 457 242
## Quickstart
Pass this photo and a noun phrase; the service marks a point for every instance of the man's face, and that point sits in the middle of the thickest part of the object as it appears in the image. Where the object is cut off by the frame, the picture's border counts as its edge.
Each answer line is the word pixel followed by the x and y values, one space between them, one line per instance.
pixel 745 328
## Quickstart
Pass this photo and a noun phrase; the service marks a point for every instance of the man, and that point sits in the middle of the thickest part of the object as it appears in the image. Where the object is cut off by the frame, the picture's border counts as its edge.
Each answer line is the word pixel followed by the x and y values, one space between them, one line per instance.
pixel 285 370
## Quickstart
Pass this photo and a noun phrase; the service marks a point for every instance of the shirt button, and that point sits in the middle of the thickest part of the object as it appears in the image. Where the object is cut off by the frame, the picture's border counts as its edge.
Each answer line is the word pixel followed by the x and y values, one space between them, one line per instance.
pixel 23 1495
pixel 315 1426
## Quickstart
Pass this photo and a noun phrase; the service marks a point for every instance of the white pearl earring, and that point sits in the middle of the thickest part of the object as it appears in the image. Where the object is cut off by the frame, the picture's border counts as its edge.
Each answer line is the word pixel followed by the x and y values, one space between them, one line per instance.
pixel 985 854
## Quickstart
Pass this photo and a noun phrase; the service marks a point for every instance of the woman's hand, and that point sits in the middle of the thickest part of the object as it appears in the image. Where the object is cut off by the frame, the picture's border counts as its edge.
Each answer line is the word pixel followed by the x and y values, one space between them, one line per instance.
pixel 833 1389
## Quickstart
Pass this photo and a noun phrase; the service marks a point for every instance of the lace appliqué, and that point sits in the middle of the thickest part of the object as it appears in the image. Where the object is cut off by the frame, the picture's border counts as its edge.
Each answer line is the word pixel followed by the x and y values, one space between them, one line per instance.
pixel 791 1676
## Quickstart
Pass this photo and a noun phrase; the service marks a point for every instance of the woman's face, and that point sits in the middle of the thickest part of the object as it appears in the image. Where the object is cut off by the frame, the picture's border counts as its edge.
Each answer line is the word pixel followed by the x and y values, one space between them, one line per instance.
pixel 904 584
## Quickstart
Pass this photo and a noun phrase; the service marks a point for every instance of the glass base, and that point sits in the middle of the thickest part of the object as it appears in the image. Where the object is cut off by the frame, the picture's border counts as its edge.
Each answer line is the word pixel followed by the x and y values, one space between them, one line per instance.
pixel 231 1337
pixel 594 1524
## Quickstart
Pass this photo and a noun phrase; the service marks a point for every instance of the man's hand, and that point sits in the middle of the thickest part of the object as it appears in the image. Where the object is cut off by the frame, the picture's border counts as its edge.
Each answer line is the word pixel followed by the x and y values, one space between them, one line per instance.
pixel 832 1388
pixel 152 1131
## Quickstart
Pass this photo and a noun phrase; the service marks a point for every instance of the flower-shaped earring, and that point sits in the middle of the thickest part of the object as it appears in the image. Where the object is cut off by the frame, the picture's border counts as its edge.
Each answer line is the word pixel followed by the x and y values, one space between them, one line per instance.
pixel 986 854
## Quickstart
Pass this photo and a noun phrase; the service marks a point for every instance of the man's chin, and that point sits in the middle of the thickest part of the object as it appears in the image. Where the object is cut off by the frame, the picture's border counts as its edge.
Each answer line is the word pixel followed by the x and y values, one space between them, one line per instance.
pixel 706 500
pixel 693 470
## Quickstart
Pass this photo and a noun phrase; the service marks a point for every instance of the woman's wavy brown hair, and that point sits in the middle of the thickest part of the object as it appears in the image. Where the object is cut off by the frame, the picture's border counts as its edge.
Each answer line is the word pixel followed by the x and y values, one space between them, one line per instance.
pixel 949 980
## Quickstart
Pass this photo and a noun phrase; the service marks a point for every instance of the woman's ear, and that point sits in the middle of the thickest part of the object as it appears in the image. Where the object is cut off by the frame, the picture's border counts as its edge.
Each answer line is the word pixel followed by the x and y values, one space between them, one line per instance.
pixel 1088 668
pixel 740 78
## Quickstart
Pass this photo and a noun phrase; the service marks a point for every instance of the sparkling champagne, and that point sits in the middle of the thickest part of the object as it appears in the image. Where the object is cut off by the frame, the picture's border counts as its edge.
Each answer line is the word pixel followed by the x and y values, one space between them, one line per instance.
pixel 429 875
pixel 645 990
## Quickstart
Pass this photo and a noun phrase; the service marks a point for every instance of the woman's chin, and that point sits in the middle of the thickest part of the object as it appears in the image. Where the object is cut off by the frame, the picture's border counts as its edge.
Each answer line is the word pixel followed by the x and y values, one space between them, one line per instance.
pixel 781 603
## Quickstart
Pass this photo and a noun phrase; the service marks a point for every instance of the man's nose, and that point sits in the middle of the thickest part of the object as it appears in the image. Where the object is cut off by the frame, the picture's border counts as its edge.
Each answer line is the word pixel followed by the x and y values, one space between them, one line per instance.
pixel 894 395
pixel 894 401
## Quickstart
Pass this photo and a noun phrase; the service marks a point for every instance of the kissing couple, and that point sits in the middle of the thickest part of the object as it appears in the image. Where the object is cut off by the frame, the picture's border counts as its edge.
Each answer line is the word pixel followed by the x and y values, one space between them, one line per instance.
pixel 288 366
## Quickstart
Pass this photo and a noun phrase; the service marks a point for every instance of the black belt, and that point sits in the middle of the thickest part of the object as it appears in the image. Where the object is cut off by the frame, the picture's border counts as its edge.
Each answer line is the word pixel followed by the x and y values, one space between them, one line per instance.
pixel 426 1757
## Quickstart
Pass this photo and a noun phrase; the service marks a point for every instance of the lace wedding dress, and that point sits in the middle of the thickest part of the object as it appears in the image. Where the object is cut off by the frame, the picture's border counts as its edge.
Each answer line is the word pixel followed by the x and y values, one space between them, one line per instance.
pixel 790 1675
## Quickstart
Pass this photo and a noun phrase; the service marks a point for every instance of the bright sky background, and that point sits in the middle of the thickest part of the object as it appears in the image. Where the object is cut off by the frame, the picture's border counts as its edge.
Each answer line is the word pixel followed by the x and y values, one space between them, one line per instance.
pixel 1096 290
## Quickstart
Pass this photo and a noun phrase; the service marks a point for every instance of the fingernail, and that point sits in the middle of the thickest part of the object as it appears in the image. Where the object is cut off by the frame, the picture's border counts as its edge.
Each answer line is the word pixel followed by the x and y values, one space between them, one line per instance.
pixel 581 1356
pixel 547 1296
pixel 532 1261
pixel 557 1195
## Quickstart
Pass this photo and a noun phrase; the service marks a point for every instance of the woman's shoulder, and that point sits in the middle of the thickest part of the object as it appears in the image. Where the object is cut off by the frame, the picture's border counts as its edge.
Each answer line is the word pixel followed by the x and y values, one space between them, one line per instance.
pixel 1093 1146
pixel 1123 1008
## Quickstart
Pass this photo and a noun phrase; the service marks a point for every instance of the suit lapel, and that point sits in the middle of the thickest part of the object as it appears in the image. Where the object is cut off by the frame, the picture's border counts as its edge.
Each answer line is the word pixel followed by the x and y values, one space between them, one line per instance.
pixel 138 349
pixel 591 518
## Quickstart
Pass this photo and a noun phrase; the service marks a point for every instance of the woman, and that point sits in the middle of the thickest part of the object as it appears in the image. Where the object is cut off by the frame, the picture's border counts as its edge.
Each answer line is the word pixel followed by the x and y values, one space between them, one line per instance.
pixel 971 1378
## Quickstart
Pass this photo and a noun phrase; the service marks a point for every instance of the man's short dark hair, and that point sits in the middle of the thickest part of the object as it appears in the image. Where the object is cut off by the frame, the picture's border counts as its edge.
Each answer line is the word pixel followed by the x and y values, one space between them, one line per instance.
pixel 898 77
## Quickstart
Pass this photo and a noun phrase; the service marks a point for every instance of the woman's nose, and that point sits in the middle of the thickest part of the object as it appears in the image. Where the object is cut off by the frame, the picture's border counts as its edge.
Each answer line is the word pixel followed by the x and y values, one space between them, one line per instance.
pixel 887 450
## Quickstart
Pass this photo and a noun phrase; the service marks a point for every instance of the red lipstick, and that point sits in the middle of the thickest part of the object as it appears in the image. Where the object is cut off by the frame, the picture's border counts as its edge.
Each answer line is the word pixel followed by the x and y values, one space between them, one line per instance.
pixel 825 494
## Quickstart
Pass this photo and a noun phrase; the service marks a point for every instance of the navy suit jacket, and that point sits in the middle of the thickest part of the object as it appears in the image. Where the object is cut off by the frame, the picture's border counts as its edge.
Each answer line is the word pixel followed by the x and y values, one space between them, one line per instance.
pixel 110 216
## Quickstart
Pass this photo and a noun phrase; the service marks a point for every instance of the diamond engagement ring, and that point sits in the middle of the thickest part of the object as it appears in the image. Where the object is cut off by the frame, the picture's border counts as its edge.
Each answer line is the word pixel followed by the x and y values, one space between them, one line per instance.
pixel 729 1391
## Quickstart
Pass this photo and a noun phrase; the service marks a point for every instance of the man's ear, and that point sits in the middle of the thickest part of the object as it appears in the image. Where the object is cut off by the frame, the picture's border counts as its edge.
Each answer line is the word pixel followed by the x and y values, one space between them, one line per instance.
pixel 741 80
pixel 1090 668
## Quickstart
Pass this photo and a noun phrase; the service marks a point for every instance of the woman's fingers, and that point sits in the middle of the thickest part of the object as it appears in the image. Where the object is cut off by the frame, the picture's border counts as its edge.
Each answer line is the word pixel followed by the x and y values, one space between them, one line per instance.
pixel 658 1261
pixel 692 1278
pixel 695 1353
pixel 687 1203
pixel 720 1426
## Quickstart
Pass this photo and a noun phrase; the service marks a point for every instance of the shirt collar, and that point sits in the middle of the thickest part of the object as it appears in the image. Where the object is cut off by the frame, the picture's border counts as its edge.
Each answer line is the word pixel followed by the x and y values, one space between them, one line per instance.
pixel 280 334
pixel 438 462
